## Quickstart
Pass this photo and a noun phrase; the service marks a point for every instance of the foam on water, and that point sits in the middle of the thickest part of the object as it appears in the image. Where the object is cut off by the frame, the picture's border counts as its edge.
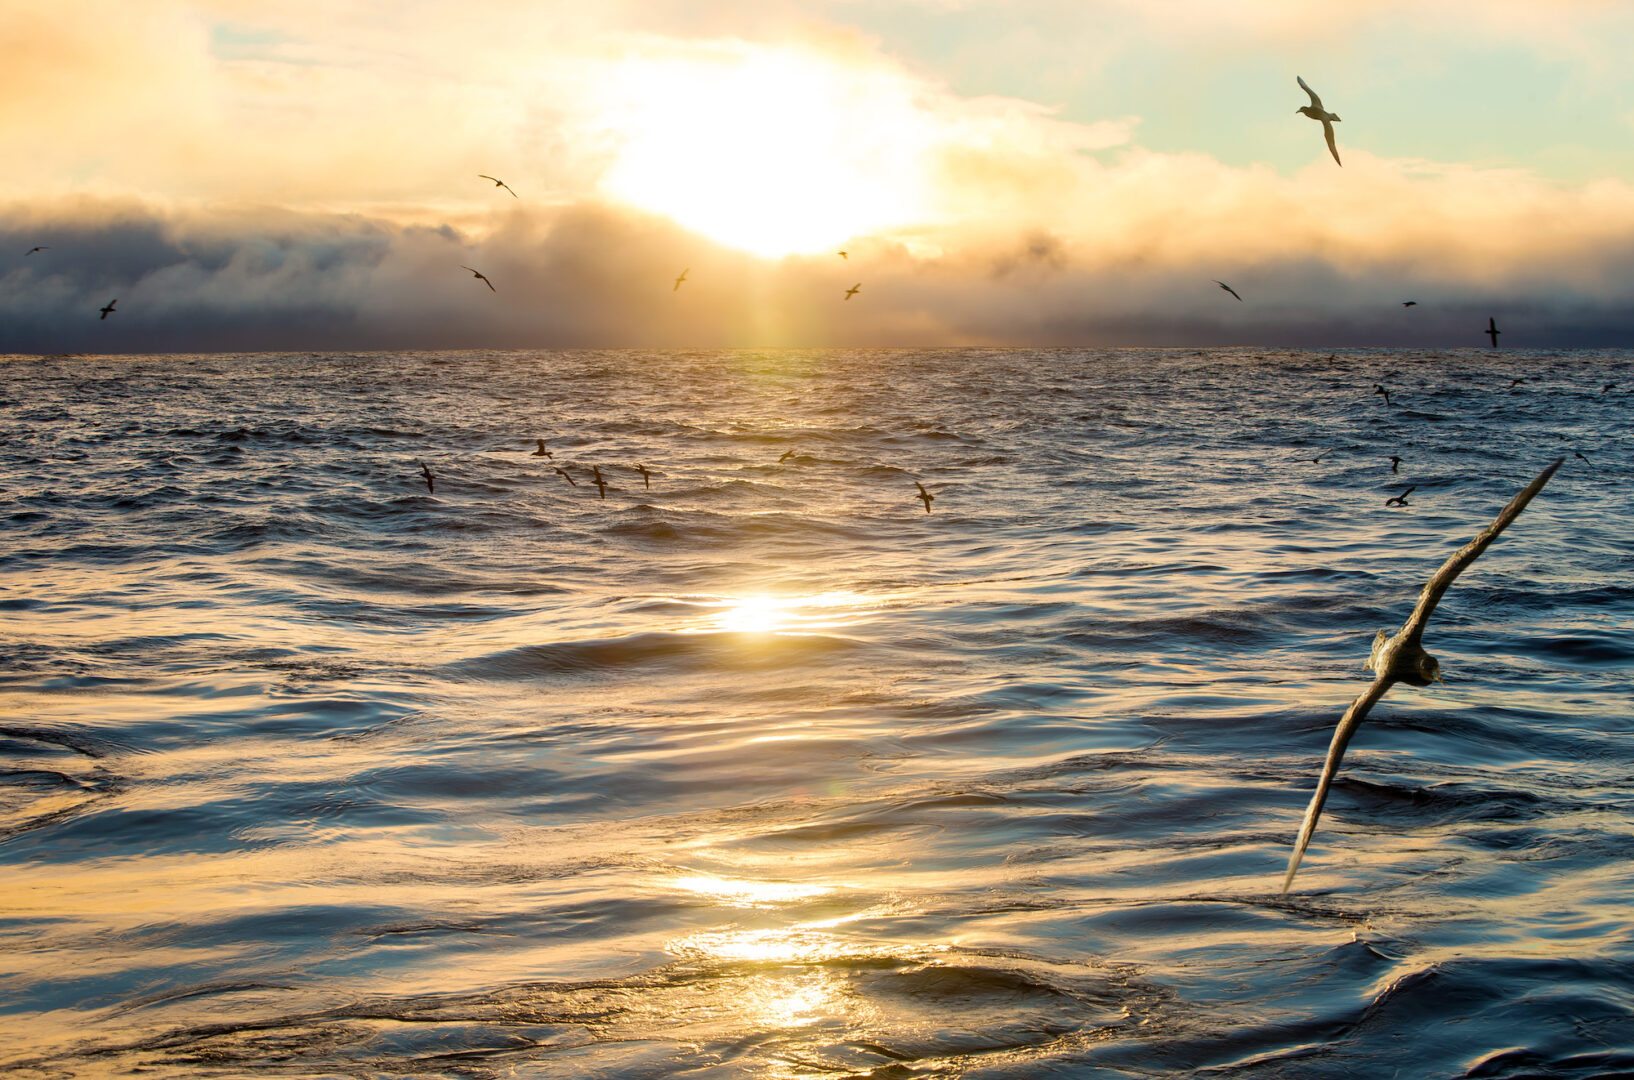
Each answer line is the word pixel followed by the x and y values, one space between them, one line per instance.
pixel 764 771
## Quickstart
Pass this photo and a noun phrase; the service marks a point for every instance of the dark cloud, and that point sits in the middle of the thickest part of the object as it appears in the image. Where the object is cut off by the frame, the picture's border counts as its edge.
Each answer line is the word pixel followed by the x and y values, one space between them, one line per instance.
pixel 590 275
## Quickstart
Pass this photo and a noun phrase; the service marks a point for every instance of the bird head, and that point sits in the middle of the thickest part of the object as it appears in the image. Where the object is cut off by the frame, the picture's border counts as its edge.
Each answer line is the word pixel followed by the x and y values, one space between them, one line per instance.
pixel 1423 671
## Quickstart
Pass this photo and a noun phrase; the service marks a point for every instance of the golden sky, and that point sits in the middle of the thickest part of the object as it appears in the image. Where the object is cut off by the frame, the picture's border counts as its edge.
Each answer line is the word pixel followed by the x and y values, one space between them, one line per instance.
pixel 245 175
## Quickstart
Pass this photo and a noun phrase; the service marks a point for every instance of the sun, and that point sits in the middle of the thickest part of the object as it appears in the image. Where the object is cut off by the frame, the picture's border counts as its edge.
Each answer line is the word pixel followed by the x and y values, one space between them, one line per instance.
pixel 771 151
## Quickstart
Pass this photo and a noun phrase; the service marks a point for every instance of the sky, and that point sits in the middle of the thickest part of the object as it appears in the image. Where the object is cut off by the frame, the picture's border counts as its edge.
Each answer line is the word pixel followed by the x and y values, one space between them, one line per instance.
pixel 248 176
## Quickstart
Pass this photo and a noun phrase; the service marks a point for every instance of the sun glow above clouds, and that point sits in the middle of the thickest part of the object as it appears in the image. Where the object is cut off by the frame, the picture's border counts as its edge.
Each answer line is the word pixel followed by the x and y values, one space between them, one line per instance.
pixel 770 150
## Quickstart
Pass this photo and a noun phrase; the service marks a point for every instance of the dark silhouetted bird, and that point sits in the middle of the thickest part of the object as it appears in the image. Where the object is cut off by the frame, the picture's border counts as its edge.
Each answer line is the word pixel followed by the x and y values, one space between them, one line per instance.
pixel 1400 500
pixel 1315 111
pixel 1378 388
pixel 1492 330
pixel 498 183
pixel 924 495
pixel 843 255
pixel 563 474
pixel 682 278
pixel 646 477
pixel 601 485
pixel 480 276
pixel 1228 289
pixel 853 290
pixel 1395 463
pixel 1317 460
pixel 1402 658
pixel 106 311
pixel 542 452
pixel 1515 382
pixel 786 455
pixel 1409 303
pixel 32 250
pixel 425 470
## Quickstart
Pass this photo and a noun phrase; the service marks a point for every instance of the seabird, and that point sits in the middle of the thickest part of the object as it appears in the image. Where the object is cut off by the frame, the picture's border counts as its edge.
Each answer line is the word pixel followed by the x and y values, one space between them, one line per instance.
pixel 1492 330
pixel 1395 463
pixel 601 485
pixel 1378 388
pixel 843 255
pixel 1402 658
pixel 680 279
pixel 478 274
pixel 1317 460
pixel 1315 111
pixel 1514 382
pixel 1228 289
pixel 786 455
pixel 923 494
pixel 425 470
pixel 541 452
pixel 646 478
pixel 1400 500
pixel 566 477
pixel 853 290
pixel 1586 461
pixel 32 250
pixel 109 309
pixel 498 183
pixel 1608 386
pixel 1409 303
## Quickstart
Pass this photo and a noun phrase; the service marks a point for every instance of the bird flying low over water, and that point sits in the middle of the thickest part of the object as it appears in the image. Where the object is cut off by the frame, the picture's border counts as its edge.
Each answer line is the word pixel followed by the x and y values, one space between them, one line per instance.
pixel 1228 289
pixel 853 290
pixel 601 485
pixel 541 452
pixel 1317 460
pixel 786 455
pixel 1492 330
pixel 682 278
pixel 923 495
pixel 1608 386
pixel 32 250
pixel 1402 658
pixel 480 276
pixel 1315 111
pixel 646 477
pixel 1400 500
pixel 425 470
pixel 1378 388
pixel 563 473
pixel 1395 463
pixel 498 183
pixel 106 311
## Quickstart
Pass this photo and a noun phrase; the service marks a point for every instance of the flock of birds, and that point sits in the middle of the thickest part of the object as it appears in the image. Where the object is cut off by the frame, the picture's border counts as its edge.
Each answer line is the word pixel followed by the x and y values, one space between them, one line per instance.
pixel 1394 658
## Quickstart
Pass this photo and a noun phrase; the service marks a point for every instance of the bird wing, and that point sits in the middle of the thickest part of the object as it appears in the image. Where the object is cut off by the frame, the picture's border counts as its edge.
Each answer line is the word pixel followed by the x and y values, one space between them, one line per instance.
pixel 1228 289
pixel 1316 102
pixel 1413 629
pixel 497 182
pixel 1336 753
pixel 1327 130
pixel 488 283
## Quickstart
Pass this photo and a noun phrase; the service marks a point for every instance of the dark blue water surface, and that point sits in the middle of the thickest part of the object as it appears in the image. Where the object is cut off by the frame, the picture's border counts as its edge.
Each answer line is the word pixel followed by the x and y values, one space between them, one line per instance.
pixel 763 771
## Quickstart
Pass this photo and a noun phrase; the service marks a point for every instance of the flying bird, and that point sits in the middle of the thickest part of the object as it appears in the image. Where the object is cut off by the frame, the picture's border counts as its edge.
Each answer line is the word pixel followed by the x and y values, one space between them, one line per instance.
pixel 924 495
pixel 1409 303
pixel 786 455
pixel 601 485
pixel 1228 289
pixel 1378 388
pixel 1395 463
pixel 843 255
pixel 680 279
pixel 564 476
pixel 541 452
pixel 498 183
pixel 1608 386
pixel 1400 500
pixel 1492 330
pixel 1317 460
pixel 425 470
pixel 646 478
pixel 1315 111
pixel 1513 382
pixel 109 309
pixel 32 250
pixel 1402 658
pixel 1586 461
pixel 853 290
pixel 480 276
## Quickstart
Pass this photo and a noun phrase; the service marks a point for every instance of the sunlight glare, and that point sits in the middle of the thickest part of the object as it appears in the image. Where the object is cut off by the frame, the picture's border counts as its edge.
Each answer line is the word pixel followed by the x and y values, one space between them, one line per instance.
pixel 771 151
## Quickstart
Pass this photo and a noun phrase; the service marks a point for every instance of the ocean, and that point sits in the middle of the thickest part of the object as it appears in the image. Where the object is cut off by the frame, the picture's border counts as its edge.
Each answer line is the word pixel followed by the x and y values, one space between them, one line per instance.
pixel 764 771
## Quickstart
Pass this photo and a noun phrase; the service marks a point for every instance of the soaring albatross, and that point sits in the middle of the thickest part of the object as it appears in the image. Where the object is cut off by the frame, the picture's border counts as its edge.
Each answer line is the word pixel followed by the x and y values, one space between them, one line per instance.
pixel 1402 658
pixel 1316 112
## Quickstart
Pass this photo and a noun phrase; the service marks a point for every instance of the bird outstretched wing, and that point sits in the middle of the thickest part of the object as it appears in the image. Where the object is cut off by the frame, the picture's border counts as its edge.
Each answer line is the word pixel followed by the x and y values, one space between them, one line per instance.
pixel 1336 753
pixel 1436 587
pixel 1327 130
pixel 1316 102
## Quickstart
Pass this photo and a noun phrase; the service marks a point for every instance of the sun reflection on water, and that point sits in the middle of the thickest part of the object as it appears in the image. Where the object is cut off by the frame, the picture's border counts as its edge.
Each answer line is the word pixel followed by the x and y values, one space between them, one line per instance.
pixel 765 613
